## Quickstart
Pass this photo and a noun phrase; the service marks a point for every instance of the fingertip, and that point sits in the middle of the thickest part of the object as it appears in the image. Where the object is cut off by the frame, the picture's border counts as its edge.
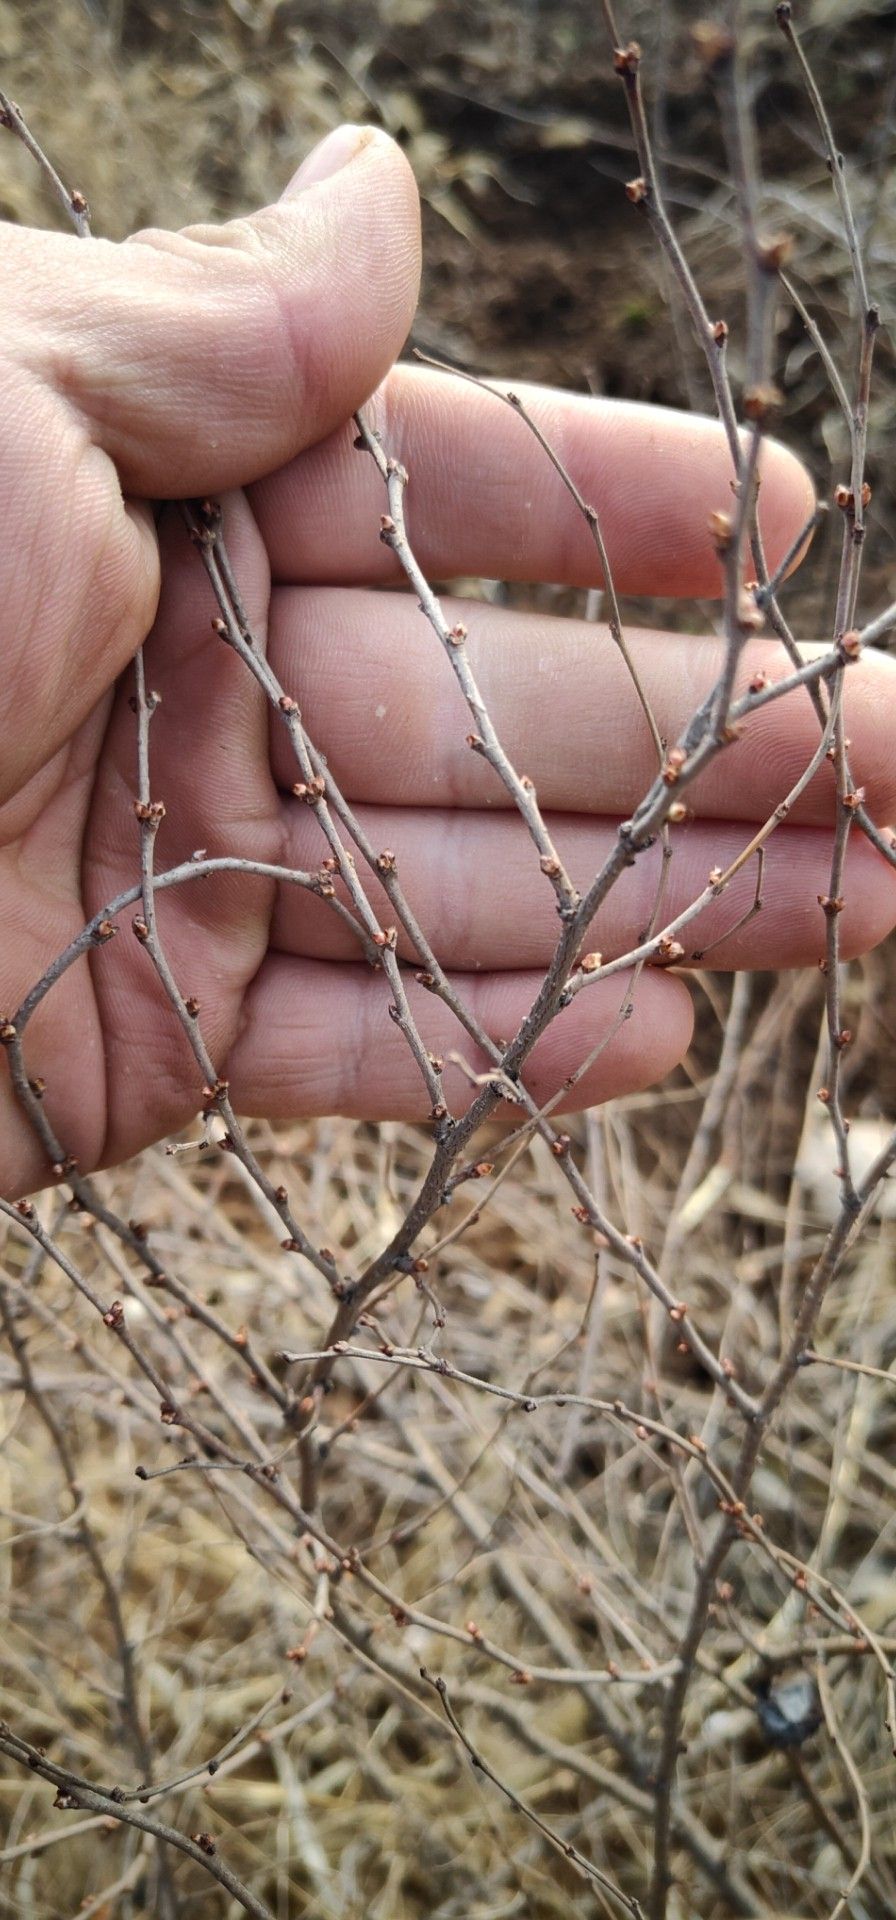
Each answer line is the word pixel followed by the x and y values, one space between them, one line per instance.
pixel 869 912
pixel 329 156
pixel 870 718
pixel 345 146
pixel 345 242
pixel 642 1039
pixel 147 571
pixel 360 176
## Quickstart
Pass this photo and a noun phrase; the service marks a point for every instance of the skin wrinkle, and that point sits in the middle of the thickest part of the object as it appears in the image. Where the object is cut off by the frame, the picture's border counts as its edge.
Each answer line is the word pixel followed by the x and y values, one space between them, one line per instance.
pixel 203 310
pixel 109 567
pixel 242 371
pixel 36 424
pixel 92 364
pixel 40 850
pixel 125 540
pixel 316 367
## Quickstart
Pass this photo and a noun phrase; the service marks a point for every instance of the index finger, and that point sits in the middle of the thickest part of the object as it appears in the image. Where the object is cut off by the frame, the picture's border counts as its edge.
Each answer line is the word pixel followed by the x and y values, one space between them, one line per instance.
pixel 483 498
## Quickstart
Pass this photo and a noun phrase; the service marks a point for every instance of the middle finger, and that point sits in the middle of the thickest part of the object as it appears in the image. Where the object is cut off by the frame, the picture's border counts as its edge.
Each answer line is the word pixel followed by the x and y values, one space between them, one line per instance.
pixel 380 699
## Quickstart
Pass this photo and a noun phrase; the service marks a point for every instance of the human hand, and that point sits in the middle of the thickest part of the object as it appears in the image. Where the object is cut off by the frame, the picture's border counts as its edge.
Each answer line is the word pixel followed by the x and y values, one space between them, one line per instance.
pixel 232 358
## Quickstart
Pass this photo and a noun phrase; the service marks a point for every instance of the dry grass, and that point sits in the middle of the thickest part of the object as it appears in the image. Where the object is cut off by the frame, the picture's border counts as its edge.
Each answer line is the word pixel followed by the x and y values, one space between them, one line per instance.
pixel 567 1535
pixel 558 1532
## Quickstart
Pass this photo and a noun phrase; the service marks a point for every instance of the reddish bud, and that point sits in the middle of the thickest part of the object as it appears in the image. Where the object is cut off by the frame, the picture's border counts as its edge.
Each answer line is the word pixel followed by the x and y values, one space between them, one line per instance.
pixel 310 790
pixel 673 766
pixel 627 59
pixel 774 251
pixel 712 42
pixel 749 618
pixel 762 401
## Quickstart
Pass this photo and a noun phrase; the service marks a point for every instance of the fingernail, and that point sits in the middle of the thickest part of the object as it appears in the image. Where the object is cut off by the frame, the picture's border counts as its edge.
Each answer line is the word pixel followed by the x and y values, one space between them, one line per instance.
pixel 329 156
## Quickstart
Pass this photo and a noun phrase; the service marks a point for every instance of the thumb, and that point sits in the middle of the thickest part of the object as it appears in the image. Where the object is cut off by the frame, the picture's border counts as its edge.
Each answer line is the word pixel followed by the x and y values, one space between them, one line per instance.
pixel 203 359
